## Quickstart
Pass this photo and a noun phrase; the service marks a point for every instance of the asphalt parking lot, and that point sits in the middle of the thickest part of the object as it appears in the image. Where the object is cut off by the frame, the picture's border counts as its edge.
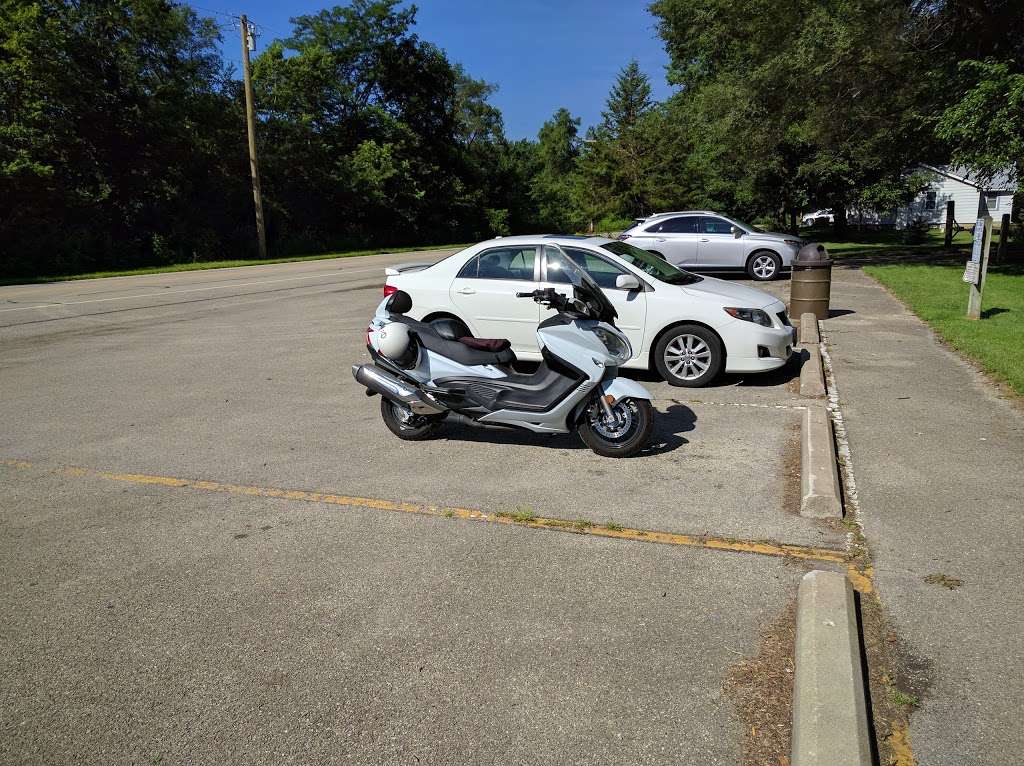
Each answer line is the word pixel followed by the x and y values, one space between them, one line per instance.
pixel 215 551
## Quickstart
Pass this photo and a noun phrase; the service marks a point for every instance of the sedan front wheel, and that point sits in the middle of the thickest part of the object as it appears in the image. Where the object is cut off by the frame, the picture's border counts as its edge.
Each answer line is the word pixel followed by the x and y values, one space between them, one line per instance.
pixel 689 355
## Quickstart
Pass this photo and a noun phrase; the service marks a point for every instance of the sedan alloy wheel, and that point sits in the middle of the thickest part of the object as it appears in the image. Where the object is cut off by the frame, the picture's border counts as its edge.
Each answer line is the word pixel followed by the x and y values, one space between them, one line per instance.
pixel 689 355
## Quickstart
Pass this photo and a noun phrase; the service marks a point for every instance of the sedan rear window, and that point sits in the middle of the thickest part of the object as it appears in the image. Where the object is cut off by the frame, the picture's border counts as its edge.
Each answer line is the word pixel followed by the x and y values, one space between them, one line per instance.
pixel 501 263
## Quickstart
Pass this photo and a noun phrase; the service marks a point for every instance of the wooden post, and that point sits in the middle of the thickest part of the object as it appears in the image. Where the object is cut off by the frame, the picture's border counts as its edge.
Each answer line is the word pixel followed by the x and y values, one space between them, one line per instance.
pixel 979 255
pixel 950 221
pixel 1004 238
pixel 250 122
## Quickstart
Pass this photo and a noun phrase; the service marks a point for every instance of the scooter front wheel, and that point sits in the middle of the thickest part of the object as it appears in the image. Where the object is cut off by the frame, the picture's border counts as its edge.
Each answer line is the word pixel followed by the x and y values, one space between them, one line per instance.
pixel 405 424
pixel 622 435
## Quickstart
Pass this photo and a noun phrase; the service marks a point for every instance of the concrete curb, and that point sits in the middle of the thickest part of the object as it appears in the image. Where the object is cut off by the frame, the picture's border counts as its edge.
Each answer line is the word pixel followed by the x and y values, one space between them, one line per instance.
pixel 830 723
pixel 812 374
pixel 819 477
pixel 809 329
pixel 812 377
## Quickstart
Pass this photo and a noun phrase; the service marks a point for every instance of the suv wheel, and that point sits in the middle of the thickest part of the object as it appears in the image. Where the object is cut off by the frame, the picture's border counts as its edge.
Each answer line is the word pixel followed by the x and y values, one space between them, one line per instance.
pixel 689 355
pixel 764 266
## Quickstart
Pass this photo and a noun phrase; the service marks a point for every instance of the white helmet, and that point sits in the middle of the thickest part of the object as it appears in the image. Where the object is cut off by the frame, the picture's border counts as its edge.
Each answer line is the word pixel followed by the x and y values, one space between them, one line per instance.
pixel 393 339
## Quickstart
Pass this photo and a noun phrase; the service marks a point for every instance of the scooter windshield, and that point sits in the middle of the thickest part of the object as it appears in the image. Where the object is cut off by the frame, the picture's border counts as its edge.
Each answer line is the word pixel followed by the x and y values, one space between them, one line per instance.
pixel 562 268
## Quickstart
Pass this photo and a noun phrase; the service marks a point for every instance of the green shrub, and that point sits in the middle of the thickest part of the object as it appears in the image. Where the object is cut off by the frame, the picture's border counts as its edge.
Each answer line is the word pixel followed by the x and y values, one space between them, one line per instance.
pixel 916 232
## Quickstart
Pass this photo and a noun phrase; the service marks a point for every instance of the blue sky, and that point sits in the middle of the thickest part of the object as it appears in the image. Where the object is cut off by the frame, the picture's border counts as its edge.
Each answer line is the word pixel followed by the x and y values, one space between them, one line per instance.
pixel 542 55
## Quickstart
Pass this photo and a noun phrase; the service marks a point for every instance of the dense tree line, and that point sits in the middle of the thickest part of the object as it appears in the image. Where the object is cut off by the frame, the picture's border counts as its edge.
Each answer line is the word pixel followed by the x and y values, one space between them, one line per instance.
pixel 825 103
pixel 122 137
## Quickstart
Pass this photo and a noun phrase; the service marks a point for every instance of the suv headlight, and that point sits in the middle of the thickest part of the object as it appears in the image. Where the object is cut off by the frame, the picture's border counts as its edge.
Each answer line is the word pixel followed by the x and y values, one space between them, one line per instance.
pixel 757 316
pixel 617 346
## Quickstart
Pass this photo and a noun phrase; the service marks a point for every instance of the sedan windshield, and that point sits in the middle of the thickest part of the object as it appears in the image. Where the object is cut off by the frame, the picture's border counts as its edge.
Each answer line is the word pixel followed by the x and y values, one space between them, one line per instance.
pixel 651 264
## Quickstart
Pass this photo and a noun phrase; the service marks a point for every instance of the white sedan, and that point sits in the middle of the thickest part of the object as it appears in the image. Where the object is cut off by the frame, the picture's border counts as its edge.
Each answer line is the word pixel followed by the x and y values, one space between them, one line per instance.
pixel 687 327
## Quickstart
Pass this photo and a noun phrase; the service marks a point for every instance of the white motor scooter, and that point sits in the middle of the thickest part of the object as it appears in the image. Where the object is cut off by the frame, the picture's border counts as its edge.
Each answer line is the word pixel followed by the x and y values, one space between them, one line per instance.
pixel 424 377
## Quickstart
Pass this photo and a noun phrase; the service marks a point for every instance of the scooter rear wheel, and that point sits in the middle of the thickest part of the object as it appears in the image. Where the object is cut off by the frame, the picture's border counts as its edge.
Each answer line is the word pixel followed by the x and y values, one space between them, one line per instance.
pixel 629 434
pixel 405 424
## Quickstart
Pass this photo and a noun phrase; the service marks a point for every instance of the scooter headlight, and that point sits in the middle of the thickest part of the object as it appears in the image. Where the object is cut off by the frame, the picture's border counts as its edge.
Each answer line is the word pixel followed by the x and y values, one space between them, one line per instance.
pixel 617 346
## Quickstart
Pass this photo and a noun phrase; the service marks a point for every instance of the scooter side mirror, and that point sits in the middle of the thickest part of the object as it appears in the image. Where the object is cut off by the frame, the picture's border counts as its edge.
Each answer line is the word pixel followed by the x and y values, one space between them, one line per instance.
pixel 627 282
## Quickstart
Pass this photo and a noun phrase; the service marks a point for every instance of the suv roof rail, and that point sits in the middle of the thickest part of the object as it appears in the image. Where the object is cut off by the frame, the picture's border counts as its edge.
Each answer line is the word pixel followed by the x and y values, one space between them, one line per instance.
pixel 684 212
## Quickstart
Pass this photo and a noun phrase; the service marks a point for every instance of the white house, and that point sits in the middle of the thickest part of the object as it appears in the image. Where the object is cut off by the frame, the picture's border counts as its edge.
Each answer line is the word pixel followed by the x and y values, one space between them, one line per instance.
pixel 972 198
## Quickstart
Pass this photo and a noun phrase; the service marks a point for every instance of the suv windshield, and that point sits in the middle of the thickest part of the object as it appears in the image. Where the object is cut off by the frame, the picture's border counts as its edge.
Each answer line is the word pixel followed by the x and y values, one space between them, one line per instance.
pixel 651 264
pixel 749 227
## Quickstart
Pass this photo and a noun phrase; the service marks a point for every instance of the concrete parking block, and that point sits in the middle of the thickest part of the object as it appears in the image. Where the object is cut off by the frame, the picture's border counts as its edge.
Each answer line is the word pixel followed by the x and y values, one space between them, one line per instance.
pixel 819 477
pixel 812 378
pixel 809 329
pixel 830 724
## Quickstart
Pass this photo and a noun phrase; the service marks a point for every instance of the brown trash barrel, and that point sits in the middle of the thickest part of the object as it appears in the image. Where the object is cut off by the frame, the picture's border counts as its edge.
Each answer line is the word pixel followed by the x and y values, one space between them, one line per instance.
pixel 811 282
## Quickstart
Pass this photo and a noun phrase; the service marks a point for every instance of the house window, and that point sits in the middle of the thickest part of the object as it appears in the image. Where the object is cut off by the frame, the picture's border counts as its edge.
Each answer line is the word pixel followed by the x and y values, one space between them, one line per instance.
pixel 992 201
pixel 929 200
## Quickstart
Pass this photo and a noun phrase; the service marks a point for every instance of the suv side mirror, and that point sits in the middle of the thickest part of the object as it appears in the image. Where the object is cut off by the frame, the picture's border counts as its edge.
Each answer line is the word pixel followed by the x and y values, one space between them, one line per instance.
pixel 627 282
pixel 736 231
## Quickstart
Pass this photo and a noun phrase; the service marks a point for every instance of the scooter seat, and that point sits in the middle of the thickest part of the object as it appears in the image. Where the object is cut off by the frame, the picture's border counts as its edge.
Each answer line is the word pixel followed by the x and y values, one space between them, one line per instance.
pixel 461 352
pixel 493 345
pixel 494 350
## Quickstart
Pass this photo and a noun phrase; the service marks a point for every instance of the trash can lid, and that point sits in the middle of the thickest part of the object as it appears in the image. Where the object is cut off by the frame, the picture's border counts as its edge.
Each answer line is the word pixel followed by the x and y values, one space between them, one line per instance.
pixel 812 253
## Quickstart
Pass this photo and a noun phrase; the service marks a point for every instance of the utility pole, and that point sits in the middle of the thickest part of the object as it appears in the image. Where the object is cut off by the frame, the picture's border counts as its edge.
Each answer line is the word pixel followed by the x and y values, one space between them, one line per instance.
pixel 250 119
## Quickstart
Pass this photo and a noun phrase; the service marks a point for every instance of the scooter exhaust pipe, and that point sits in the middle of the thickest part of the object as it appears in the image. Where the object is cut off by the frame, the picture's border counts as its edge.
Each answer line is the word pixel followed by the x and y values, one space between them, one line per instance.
pixel 390 387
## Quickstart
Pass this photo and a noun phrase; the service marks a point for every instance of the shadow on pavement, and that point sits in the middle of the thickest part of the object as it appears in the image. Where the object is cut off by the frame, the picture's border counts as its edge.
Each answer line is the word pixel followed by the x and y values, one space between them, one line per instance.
pixel 666 436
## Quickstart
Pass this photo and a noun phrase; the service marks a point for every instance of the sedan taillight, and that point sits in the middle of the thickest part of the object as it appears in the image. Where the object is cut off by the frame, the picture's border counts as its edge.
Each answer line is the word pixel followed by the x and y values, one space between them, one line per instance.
pixel 389 290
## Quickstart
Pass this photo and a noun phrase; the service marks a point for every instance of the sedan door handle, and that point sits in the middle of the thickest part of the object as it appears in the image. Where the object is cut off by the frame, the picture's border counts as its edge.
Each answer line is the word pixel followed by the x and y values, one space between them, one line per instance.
pixel 467 291
pixel 662 239
pixel 704 239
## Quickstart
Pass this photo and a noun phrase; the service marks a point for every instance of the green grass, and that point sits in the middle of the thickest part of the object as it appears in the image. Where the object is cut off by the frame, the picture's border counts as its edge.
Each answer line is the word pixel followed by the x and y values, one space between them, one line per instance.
pixel 903 699
pixel 204 265
pixel 938 295
pixel 521 515
pixel 881 243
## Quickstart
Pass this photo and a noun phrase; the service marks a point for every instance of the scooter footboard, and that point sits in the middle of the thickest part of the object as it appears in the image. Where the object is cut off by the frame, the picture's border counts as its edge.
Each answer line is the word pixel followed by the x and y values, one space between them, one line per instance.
pixel 624 388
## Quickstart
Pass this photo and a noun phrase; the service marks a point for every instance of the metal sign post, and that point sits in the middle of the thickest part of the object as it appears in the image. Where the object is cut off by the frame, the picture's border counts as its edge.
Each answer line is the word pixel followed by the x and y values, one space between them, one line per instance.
pixel 977 267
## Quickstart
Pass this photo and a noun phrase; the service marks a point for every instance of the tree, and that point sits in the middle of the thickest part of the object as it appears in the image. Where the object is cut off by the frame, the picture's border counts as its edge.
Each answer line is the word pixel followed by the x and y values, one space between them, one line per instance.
pixel 347 76
pixel 112 128
pixel 985 128
pixel 812 111
pixel 558 148
pixel 617 166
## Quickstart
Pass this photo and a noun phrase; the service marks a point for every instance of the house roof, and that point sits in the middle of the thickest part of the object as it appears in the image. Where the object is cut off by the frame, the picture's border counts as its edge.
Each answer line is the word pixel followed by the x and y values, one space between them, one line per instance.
pixel 1002 181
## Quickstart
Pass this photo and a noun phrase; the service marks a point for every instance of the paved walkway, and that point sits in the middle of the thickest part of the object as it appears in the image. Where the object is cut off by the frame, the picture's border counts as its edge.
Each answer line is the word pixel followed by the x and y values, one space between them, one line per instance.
pixel 939 462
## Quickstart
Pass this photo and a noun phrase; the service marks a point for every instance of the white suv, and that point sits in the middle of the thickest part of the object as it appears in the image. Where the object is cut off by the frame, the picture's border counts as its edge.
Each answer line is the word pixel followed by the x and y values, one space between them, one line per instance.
pixel 701 240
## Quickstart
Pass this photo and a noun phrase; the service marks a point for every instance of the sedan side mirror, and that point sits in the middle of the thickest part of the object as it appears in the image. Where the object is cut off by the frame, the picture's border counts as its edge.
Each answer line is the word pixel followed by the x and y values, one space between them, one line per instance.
pixel 627 282
pixel 736 231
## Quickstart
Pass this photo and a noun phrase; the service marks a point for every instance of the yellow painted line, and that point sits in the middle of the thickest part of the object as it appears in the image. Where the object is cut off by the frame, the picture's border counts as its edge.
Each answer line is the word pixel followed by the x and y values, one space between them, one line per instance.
pixel 861 578
pixel 763 548
pixel 899 743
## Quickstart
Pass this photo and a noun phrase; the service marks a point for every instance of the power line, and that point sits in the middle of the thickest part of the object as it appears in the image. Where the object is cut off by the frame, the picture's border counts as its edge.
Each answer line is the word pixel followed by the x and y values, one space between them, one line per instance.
pixel 259 28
